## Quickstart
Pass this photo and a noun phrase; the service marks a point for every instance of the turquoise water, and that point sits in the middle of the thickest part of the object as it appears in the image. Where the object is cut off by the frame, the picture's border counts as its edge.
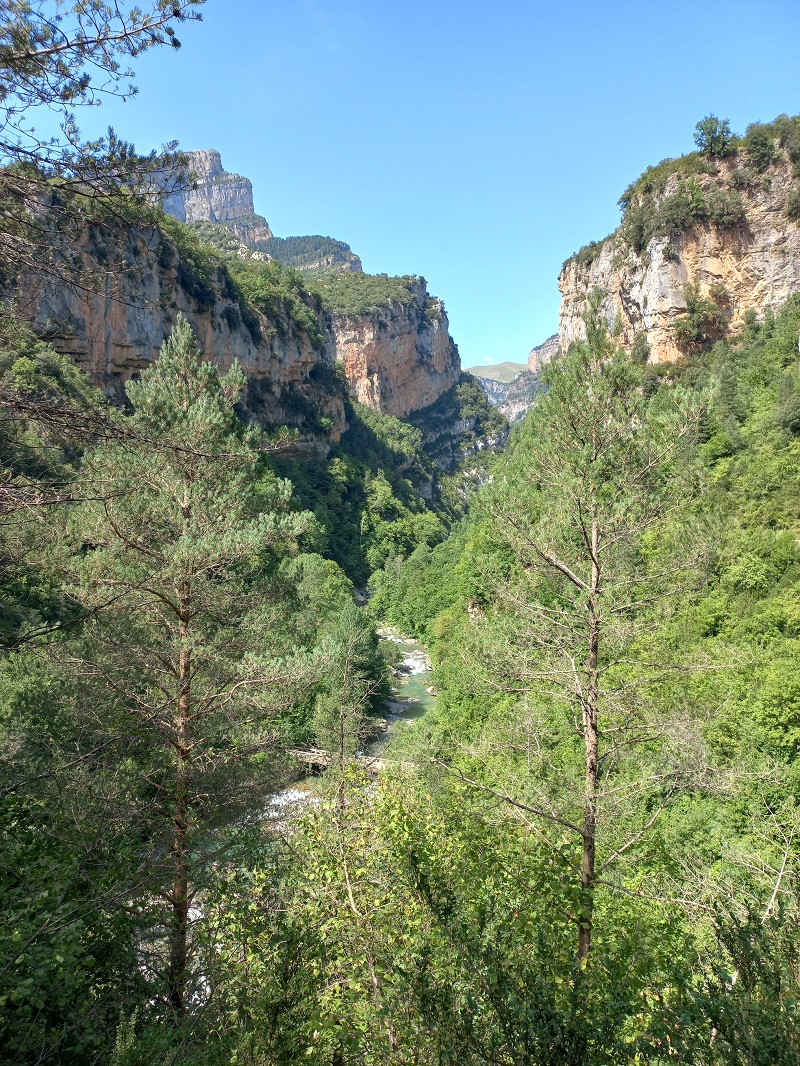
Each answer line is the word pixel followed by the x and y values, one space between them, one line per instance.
pixel 410 698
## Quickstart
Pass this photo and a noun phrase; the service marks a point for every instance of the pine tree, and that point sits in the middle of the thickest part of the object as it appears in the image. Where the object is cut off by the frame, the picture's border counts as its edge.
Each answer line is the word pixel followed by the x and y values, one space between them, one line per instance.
pixel 599 471
pixel 188 652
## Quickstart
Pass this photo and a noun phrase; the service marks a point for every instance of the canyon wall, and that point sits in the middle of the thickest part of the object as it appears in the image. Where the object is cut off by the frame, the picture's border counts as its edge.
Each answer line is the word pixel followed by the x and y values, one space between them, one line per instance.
pixel 543 353
pixel 217 196
pixel 398 358
pixel 114 326
pixel 757 261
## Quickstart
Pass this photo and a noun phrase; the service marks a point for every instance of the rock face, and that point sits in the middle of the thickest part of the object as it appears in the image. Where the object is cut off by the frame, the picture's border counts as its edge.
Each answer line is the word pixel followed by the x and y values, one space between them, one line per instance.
pixel 513 398
pixel 453 430
pixel 543 353
pixel 218 197
pixel 115 332
pixel 399 358
pixel 757 262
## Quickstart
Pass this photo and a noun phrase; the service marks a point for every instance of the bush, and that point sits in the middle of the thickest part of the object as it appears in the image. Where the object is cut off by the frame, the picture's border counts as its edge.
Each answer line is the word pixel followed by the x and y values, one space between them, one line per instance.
pixel 640 350
pixel 788 414
pixel 725 207
pixel 793 205
pixel 705 320
pixel 359 294
pixel 759 143
pixel 743 177
pixel 588 254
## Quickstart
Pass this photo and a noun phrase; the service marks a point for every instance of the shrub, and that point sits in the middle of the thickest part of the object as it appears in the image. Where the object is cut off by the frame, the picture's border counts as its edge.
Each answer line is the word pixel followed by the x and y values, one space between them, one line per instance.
pixel 759 143
pixel 788 414
pixel 670 253
pixel 358 294
pixel 725 207
pixel 640 350
pixel 743 177
pixel 793 205
pixel 705 319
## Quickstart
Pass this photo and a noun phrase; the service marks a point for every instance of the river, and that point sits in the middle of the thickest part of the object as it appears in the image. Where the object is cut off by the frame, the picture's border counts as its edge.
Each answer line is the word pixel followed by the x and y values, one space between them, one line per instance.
pixel 412 692
pixel 411 696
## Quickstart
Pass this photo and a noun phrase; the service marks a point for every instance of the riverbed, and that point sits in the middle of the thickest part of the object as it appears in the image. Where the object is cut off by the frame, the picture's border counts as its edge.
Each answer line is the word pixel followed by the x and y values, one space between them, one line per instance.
pixel 412 696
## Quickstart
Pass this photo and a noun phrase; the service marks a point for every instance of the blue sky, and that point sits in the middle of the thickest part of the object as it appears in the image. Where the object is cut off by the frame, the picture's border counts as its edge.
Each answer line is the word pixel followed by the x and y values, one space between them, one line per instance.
pixel 478 145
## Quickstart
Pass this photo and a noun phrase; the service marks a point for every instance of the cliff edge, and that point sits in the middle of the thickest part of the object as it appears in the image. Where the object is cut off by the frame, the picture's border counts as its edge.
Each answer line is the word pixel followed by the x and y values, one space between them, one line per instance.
pixel 701 243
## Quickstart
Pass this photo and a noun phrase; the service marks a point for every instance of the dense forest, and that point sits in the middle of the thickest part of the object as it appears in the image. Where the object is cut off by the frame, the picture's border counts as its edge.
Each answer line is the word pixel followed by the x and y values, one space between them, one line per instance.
pixel 585 853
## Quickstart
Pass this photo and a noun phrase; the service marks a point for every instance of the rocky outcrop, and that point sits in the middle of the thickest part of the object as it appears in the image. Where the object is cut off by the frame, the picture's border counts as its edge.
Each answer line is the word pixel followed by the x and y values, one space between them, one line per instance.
pixel 461 423
pixel 512 398
pixel 347 262
pixel 398 358
pixel 211 194
pixel 756 262
pixel 543 354
pixel 114 327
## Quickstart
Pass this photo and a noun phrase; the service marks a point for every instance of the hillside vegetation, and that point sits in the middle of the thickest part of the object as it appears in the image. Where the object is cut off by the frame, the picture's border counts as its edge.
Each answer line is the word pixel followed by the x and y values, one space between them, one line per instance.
pixel 312 256
pixel 692 878
pixel 670 197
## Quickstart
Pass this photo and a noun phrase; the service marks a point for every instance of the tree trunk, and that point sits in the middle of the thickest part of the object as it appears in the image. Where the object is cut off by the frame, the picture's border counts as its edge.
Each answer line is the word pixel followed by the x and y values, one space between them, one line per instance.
pixel 590 741
pixel 180 845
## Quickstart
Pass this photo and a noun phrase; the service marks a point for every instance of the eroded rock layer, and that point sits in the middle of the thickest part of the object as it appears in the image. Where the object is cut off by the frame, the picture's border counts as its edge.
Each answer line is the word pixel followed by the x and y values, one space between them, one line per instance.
pixel 114 326
pixel 217 196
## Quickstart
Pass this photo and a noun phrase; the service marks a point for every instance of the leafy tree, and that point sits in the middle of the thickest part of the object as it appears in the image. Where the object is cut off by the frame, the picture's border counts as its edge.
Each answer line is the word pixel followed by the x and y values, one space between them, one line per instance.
pixel 713 136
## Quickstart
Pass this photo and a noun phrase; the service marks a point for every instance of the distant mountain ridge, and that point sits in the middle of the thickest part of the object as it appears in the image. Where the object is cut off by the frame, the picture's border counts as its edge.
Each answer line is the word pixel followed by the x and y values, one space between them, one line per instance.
pixel 514 387
pixel 503 372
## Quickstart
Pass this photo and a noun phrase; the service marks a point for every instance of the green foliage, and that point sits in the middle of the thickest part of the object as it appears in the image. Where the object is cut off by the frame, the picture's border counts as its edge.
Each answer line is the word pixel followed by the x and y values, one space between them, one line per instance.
pixel 366 494
pixel 713 136
pixel 310 255
pixel 586 255
pixel 705 319
pixel 725 207
pixel 200 269
pixel 206 274
pixel 280 294
pixel 759 143
pixel 678 212
pixel 652 184
pixel 359 294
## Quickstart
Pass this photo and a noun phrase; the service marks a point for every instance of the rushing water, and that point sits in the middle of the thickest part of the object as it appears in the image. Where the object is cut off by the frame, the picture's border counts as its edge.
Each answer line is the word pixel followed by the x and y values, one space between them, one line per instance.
pixel 412 693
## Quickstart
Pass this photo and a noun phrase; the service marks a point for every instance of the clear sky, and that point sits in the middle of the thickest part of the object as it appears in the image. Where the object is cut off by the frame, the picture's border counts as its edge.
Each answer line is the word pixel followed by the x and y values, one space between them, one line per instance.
pixel 477 144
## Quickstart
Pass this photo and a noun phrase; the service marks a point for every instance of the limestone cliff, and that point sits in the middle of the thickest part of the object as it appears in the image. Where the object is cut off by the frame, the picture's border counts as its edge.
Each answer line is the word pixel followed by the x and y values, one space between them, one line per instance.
pixel 753 260
pixel 543 353
pixel 512 398
pixel 399 357
pixel 114 328
pixel 217 196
